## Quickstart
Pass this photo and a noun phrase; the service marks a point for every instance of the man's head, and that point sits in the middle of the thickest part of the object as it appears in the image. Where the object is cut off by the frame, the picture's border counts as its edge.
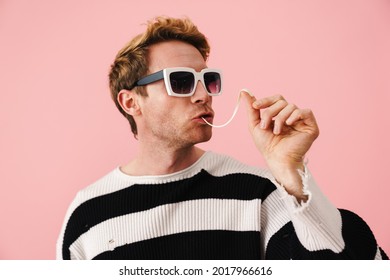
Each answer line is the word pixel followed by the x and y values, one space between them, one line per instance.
pixel 133 61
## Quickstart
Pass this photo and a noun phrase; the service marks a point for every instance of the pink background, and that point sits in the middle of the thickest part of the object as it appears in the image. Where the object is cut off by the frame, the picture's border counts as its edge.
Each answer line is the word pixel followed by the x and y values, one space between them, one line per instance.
pixel 60 131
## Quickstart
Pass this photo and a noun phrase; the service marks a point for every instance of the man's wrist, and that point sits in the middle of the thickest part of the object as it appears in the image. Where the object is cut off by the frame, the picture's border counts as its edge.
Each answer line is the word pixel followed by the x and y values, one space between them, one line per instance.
pixel 290 178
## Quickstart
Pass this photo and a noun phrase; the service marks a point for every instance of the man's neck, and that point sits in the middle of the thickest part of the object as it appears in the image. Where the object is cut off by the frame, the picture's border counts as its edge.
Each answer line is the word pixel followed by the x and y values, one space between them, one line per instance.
pixel 150 161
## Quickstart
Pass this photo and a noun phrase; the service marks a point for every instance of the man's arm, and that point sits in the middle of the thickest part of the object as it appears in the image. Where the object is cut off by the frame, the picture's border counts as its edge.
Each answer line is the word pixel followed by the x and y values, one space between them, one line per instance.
pixel 283 133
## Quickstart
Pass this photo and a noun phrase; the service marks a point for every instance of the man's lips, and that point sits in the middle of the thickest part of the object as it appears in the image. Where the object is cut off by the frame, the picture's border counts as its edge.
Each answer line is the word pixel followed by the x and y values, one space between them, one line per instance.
pixel 209 116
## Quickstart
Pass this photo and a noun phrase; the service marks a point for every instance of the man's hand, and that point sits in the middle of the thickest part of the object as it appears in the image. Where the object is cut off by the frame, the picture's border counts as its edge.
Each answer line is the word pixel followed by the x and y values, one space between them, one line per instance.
pixel 283 134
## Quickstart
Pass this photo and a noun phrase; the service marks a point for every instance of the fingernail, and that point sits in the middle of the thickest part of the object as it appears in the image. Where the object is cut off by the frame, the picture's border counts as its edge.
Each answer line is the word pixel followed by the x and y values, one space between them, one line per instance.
pixel 262 124
pixel 247 91
pixel 276 129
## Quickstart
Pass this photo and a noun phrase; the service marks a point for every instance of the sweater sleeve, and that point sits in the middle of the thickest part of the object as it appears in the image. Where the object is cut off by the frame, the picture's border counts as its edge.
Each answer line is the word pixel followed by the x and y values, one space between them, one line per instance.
pixel 318 230
pixel 62 251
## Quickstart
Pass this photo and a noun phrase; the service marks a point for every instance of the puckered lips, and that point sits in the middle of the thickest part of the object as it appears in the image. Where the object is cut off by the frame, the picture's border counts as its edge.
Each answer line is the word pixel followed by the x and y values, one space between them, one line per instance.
pixel 208 115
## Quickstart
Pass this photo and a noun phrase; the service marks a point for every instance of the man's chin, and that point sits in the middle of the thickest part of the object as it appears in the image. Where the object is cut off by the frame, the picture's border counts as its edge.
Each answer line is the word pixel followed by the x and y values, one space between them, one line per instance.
pixel 205 137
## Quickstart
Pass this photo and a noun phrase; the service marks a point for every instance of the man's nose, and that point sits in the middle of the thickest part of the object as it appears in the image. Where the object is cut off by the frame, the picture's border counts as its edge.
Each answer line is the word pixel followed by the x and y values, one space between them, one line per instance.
pixel 200 94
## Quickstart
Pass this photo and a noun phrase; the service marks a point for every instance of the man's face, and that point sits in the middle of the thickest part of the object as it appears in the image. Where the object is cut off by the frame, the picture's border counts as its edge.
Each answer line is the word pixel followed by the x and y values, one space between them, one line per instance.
pixel 175 120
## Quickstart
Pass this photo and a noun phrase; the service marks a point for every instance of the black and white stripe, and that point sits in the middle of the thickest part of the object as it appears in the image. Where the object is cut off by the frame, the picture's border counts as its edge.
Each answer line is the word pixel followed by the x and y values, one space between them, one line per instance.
pixel 230 211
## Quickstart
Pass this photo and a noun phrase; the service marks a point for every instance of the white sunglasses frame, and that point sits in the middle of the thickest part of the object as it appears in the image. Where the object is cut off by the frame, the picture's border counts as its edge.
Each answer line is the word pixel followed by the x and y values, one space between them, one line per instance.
pixel 164 74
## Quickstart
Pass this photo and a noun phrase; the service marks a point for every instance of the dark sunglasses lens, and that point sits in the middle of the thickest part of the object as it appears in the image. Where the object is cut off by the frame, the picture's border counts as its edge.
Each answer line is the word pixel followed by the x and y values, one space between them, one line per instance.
pixel 182 82
pixel 212 81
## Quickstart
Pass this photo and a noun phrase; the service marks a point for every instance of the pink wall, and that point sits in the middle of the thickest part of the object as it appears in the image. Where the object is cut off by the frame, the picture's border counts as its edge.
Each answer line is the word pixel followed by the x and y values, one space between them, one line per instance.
pixel 60 131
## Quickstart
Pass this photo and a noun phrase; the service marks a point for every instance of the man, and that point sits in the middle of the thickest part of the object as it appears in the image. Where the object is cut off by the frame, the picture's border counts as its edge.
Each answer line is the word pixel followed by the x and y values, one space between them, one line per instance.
pixel 176 201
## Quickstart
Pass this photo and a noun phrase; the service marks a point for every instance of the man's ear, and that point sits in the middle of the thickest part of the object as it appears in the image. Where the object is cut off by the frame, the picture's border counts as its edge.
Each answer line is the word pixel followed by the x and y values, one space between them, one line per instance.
pixel 128 100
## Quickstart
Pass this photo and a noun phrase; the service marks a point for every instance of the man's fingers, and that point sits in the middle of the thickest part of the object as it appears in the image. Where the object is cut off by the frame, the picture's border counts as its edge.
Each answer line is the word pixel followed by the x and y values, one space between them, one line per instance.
pixel 300 114
pixel 276 112
pixel 253 114
pixel 271 112
pixel 267 101
pixel 307 117
pixel 281 118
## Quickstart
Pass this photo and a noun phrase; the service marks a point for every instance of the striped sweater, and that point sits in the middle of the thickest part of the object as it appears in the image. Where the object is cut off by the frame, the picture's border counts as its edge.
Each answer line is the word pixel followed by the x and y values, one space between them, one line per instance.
pixel 218 208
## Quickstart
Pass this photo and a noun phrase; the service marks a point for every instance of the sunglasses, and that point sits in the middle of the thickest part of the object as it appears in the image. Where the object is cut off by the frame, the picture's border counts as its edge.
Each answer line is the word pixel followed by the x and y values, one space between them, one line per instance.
pixel 182 81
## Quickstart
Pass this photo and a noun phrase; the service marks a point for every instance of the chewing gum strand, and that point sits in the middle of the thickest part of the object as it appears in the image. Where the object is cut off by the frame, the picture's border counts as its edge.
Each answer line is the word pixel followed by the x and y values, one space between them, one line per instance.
pixel 234 112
